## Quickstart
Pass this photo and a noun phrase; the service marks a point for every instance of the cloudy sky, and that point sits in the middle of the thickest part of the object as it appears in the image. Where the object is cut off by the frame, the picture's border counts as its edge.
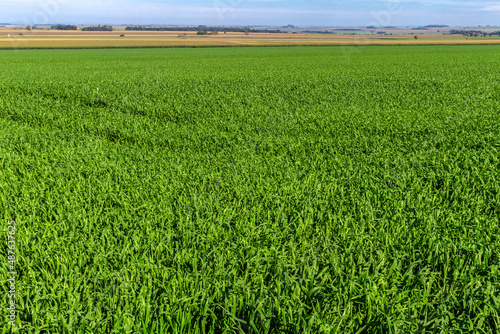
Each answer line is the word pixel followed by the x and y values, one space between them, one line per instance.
pixel 253 12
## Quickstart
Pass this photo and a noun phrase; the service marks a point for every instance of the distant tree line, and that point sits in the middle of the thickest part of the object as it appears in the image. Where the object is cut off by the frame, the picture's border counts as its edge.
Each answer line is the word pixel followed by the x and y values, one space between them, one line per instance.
pixel 474 33
pixel 64 27
pixel 386 27
pixel 325 32
pixel 206 32
pixel 348 29
pixel 98 28
pixel 142 28
pixel 201 29
pixel 333 32
pixel 416 28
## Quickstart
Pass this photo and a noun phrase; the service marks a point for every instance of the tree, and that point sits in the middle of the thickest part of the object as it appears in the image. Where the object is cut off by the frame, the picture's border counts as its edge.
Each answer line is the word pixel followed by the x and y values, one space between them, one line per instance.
pixel 98 28
pixel 202 32
pixel 247 31
pixel 28 28
pixel 64 27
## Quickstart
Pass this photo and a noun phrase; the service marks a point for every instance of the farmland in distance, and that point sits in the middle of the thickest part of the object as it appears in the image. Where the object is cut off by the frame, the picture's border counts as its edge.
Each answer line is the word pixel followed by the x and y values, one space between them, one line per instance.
pixel 301 189
pixel 56 39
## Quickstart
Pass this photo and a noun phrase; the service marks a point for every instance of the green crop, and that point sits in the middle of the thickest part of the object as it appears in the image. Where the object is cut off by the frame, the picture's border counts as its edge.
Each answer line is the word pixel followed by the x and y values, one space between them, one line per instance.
pixel 256 190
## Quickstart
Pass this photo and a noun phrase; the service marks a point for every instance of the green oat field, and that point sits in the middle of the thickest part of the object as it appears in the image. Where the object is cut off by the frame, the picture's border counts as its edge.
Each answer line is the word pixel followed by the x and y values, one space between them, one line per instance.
pixel 252 190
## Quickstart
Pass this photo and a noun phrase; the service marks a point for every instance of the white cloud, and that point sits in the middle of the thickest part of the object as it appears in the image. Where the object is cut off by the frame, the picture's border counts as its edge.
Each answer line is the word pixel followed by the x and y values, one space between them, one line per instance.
pixel 493 8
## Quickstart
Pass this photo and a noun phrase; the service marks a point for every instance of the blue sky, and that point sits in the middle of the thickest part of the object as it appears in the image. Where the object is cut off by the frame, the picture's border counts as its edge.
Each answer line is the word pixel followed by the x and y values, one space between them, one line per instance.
pixel 254 12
